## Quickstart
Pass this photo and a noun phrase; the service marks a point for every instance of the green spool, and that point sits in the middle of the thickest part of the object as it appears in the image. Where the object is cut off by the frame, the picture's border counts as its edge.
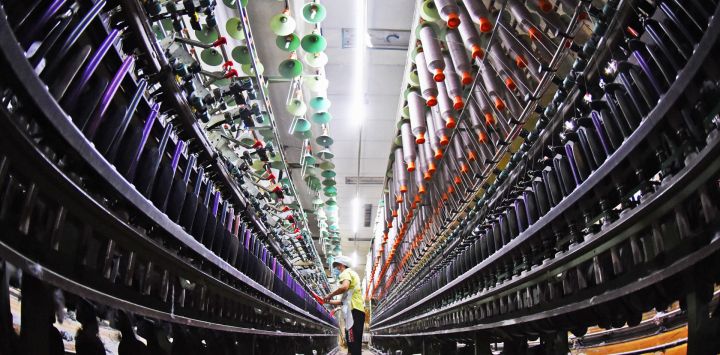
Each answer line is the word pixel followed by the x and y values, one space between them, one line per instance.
pixel 303 135
pixel 290 68
pixel 316 83
pixel 413 79
pixel 331 209
pixel 327 165
pixel 282 24
pixel 207 35
pixel 222 82
pixel 324 140
pixel 313 183
pixel 405 112
pixel 211 56
pixel 233 26
pixel 319 103
pixel 429 12
pixel 309 159
pixel 232 3
pixel 329 182
pixel 302 125
pixel 249 70
pixel 313 43
pixel 328 174
pixel 321 117
pixel 316 60
pixel 331 193
pixel 325 154
pixel 407 92
pixel 241 54
pixel 167 24
pixel 296 107
pixel 288 43
pixel 314 12
pixel 414 53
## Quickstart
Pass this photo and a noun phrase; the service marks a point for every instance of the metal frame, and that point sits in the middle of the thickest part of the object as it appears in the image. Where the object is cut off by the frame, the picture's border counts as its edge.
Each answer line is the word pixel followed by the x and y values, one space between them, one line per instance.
pixel 638 136
pixel 36 92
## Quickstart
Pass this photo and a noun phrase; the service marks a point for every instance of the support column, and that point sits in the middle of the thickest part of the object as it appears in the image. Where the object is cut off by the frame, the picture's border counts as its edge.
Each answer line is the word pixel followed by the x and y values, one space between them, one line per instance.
pixel 448 347
pixel 702 330
pixel 515 346
pixel 482 344
pixel 555 343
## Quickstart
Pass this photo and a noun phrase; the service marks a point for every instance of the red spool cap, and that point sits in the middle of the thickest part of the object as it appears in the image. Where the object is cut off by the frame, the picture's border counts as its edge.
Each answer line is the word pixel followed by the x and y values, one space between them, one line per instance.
pixel 477 52
pixel 431 167
pixel 451 123
pixel 463 168
pixel 534 34
pixel 458 103
pixel 427 176
pixel 520 62
pixel 453 20
pixel 457 181
pixel 499 104
pixel 431 101
pixel 439 75
pixel 411 167
pixel 485 25
pixel 220 41
pixel 420 139
pixel 471 155
pixel 444 140
pixel 489 118
pixel 466 78
pixel 438 154
pixel 510 84
pixel 544 5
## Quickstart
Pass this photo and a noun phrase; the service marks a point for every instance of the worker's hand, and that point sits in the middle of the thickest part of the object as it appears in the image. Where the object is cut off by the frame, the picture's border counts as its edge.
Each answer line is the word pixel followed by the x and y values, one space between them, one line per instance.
pixel 327 298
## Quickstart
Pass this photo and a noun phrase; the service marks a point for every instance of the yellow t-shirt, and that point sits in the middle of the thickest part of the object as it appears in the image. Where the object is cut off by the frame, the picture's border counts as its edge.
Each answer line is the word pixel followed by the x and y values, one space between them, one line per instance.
pixel 357 299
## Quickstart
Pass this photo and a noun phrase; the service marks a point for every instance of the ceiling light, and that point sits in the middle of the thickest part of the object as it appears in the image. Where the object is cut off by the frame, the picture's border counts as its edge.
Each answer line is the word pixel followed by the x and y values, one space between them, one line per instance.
pixel 359 63
pixel 356 214
pixel 354 259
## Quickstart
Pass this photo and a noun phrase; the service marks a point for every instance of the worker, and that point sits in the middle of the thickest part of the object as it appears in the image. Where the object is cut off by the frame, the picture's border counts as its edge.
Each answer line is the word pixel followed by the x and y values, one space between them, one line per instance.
pixel 351 302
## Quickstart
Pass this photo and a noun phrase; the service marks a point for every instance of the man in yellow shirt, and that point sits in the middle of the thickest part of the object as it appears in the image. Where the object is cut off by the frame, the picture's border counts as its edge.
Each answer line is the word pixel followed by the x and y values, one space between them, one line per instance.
pixel 351 301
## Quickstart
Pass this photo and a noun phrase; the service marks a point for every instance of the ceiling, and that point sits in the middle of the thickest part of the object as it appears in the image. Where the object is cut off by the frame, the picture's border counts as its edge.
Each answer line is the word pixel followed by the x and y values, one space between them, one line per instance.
pixel 384 74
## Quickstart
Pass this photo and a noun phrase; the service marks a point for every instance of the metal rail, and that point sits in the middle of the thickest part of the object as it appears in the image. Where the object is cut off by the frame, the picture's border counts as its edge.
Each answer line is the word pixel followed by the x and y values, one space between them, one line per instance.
pixel 529 109
pixel 654 117
pixel 657 204
pixel 46 105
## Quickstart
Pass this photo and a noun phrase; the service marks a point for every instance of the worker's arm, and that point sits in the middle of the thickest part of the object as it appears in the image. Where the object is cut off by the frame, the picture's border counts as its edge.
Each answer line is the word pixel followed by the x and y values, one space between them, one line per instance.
pixel 334 303
pixel 344 286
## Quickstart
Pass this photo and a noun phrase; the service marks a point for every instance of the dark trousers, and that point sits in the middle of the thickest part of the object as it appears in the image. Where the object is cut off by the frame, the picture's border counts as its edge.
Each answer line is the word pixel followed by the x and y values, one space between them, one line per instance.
pixel 354 335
